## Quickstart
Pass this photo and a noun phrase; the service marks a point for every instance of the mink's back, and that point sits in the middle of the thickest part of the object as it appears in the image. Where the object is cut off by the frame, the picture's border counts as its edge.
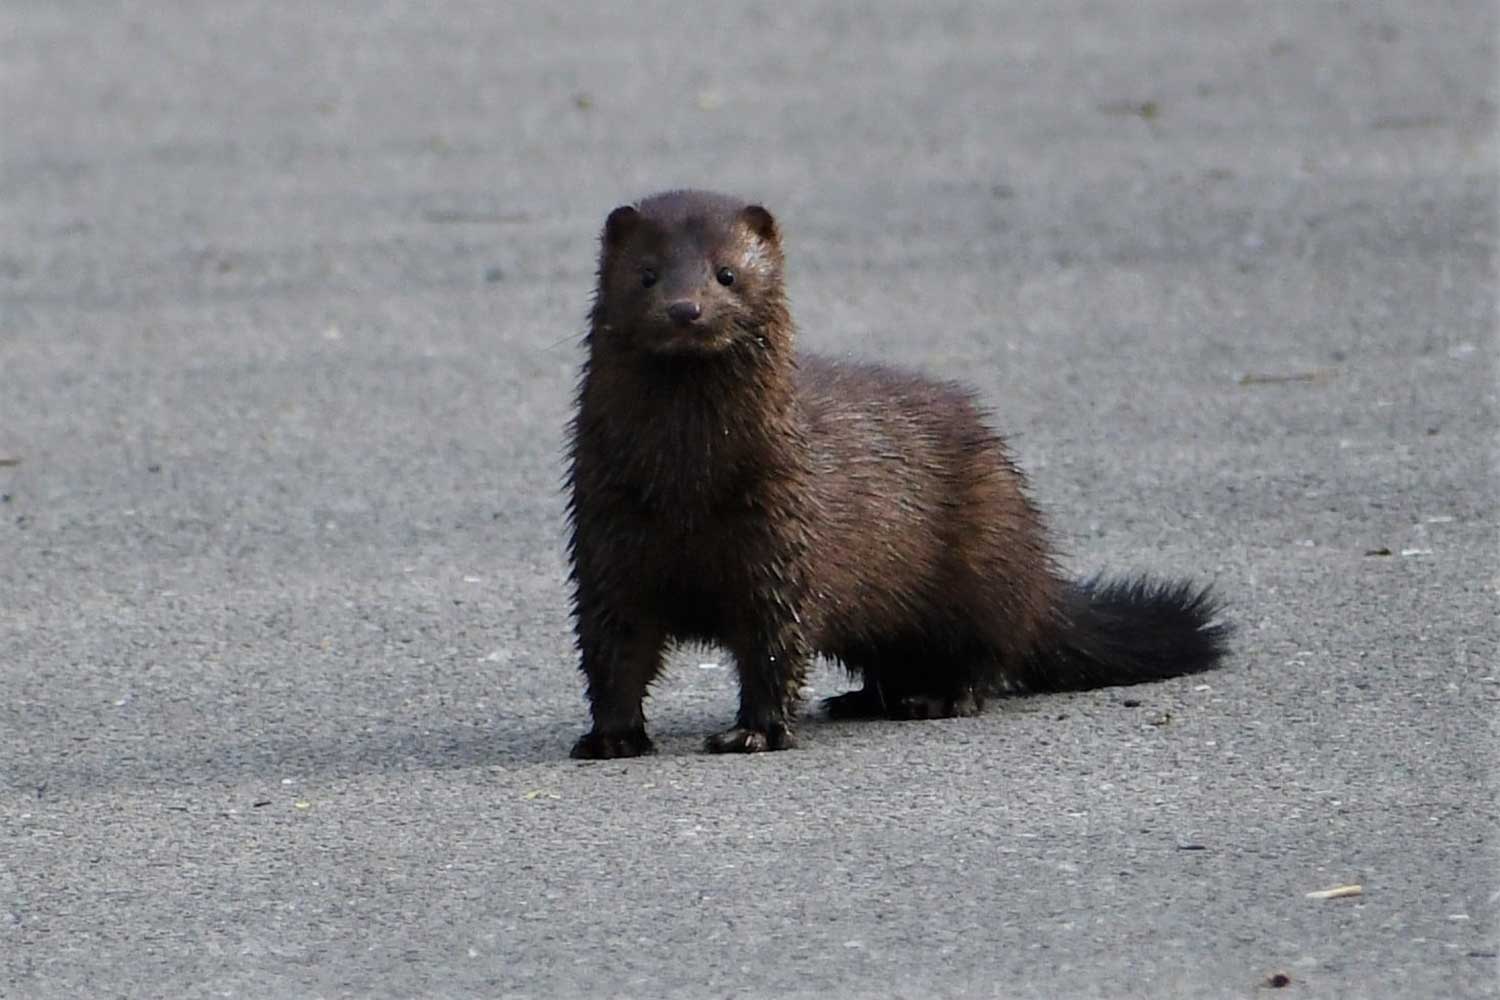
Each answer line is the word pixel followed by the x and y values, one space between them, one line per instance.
pixel 922 524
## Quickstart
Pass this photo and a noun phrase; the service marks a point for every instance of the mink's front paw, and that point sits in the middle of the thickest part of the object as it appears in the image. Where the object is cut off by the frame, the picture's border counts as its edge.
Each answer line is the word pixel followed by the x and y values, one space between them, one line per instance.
pixel 776 736
pixel 594 745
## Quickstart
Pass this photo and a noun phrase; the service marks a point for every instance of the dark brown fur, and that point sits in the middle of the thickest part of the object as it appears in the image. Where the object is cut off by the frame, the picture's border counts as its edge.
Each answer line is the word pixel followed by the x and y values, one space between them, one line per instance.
pixel 726 490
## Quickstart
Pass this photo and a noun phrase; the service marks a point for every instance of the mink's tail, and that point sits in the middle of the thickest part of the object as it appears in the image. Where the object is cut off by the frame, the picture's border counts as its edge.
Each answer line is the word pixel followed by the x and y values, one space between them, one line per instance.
pixel 1127 632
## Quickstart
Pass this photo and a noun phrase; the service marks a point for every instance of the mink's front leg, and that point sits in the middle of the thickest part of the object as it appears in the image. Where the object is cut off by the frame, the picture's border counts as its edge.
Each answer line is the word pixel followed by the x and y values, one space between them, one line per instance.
pixel 772 669
pixel 620 661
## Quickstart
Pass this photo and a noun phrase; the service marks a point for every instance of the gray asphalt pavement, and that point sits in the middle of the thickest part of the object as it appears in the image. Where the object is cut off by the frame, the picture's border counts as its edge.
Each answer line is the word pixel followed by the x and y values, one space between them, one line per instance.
pixel 290 298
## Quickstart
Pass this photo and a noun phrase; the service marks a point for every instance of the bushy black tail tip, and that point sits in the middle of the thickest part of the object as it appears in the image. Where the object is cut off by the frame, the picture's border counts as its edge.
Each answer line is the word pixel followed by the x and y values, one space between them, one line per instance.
pixel 1134 629
pixel 1176 606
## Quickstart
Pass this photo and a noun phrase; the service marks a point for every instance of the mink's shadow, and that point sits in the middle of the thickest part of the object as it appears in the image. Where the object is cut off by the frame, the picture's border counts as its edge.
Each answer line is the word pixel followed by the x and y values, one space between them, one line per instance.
pixel 271 757
pixel 467 752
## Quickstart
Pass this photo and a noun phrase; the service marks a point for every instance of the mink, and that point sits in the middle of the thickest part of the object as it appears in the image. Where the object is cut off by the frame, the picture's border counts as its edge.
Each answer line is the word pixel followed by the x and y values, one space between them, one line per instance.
pixel 726 489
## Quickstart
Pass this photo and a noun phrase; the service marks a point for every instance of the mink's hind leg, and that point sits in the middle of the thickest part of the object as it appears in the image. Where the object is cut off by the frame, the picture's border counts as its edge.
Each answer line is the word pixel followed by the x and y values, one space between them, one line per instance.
pixel 907 683
pixel 947 686
pixel 871 702
pixel 620 662
pixel 947 705
pixel 867 702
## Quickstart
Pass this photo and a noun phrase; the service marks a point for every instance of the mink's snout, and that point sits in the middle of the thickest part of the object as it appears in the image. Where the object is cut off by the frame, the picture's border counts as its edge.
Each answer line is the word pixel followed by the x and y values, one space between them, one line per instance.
pixel 684 312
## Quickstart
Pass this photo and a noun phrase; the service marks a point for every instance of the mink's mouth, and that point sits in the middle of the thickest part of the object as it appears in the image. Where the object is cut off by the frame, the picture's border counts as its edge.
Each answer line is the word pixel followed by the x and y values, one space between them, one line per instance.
pixel 688 341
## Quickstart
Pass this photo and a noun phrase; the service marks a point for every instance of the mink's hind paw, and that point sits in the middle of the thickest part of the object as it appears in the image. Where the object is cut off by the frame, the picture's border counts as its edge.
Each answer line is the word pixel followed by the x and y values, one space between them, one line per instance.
pixel 865 703
pixel 933 706
pixel 594 745
pixel 776 736
pixel 870 703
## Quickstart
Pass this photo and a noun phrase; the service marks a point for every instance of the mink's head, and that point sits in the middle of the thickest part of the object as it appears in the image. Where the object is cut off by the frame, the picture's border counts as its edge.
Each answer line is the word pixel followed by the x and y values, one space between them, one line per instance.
pixel 690 273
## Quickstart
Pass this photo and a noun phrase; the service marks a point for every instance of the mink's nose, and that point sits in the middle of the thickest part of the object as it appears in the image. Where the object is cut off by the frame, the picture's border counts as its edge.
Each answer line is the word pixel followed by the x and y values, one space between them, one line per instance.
pixel 684 311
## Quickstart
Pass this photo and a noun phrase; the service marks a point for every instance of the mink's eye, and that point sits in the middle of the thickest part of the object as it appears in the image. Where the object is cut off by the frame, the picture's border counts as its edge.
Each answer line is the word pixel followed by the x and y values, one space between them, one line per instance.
pixel 725 276
pixel 648 277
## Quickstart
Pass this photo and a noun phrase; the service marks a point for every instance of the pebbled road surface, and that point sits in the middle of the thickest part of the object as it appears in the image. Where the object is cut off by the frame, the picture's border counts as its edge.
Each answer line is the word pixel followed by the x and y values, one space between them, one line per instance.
pixel 289 307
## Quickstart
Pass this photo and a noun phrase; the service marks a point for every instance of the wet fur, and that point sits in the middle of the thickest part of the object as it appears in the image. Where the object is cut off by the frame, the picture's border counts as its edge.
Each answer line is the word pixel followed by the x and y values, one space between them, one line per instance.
pixel 725 489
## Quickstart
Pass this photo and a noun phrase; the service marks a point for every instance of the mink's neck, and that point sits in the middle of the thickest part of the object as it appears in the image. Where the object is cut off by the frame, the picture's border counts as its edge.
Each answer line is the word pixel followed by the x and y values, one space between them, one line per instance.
pixel 686 431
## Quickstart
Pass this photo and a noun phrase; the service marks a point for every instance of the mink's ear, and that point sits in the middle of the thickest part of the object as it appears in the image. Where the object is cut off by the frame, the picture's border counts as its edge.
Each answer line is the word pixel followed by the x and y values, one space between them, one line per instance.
pixel 761 223
pixel 620 224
